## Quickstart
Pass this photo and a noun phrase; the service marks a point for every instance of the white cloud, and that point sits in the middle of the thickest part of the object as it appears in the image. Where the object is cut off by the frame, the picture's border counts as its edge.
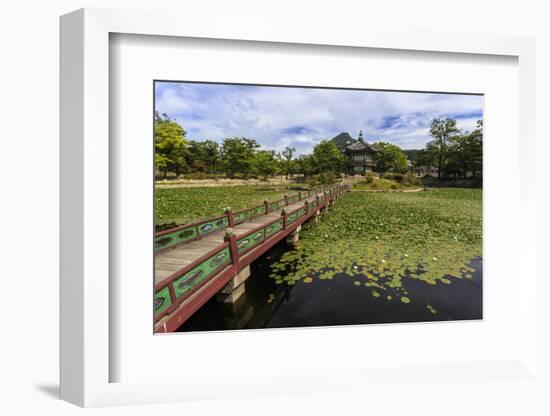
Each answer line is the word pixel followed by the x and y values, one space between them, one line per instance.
pixel 301 117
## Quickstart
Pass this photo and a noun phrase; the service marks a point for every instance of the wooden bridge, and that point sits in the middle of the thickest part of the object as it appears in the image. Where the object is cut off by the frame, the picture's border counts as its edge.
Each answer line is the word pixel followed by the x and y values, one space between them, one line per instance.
pixel 194 262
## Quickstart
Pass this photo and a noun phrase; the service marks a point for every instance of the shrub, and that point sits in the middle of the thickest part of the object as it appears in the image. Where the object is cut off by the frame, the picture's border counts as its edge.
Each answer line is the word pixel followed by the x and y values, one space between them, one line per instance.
pixel 410 179
pixel 387 175
pixel 369 177
pixel 324 178
pixel 198 175
pixel 393 186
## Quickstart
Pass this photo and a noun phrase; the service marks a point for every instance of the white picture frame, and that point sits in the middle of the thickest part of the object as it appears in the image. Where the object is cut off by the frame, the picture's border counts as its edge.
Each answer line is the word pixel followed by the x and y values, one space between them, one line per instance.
pixel 86 356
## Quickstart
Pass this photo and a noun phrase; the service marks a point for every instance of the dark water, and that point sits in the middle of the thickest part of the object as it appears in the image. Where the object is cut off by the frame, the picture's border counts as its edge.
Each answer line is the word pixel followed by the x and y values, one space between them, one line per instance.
pixel 336 302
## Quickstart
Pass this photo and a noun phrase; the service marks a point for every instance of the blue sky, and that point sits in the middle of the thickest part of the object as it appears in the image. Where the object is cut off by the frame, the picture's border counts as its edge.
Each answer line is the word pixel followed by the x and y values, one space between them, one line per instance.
pixel 301 117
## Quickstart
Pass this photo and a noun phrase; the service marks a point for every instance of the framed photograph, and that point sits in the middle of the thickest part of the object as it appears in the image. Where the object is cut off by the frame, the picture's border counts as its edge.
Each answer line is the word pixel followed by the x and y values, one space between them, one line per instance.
pixel 238 209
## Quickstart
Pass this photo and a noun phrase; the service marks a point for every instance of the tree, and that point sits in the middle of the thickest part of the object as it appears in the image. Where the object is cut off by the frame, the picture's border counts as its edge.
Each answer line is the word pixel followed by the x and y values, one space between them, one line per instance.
pixel 266 163
pixel 238 155
pixel 390 158
pixel 203 156
pixel 170 145
pixel 465 153
pixel 441 130
pixel 326 157
pixel 287 157
pixel 212 154
pixel 426 157
pixel 303 164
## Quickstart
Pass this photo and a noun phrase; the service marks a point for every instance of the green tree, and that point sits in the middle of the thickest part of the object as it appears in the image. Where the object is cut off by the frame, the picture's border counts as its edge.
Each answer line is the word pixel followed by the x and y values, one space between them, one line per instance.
pixel 441 130
pixel 390 158
pixel 170 146
pixel 465 153
pixel 326 157
pixel 426 157
pixel 287 158
pixel 266 163
pixel 303 165
pixel 212 154
pixel 238 156
pixel 203 156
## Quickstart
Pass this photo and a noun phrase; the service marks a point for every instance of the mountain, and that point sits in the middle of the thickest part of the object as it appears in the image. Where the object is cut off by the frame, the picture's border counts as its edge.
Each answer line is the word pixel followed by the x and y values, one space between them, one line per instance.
pixel 343 140
pixel 412 154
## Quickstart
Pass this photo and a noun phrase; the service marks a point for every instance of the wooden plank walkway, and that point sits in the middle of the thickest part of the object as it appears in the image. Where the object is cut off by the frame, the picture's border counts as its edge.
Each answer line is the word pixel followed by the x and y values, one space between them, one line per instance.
pixel 170 261
pixel 188 274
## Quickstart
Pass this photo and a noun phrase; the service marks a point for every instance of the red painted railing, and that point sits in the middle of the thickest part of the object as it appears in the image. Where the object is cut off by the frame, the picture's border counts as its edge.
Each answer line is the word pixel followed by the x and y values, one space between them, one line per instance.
pixel 235 252
pixel 187 233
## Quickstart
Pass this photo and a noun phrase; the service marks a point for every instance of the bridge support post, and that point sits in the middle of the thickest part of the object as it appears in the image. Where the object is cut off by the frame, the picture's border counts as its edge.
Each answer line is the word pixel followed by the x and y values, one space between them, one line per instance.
pixel 235 288
pixel 294 236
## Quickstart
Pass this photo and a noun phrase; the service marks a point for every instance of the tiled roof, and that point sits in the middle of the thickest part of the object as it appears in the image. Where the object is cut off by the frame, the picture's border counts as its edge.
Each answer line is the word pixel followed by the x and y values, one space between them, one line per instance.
pixel 361 145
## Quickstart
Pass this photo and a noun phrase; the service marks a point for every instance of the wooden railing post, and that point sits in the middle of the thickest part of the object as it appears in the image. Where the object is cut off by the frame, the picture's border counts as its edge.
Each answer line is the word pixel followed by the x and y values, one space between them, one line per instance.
pixel 230 218
pixel 285 218
pixel 299 195
pixel 233 249
pixel 285 197
pixel 306 203
pixel 266 203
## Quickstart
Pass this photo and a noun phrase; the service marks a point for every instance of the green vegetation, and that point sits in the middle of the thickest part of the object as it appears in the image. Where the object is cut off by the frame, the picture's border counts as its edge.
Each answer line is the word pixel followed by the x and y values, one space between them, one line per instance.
pixel 237 157
pixel 381 239
pixel 372 183
pixel 170 146
pixel 391 157
pixel 185 205
pixel 455 153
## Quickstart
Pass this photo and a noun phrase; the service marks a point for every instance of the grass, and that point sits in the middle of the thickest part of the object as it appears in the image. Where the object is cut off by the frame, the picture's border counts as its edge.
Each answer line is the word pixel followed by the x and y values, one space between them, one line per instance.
pixel 379 184
pixel 185 205
pixel 380 239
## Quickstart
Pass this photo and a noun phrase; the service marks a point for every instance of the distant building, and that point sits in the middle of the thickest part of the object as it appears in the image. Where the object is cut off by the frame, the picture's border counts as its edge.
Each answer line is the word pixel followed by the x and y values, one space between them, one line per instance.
pixel 426 170
pixel 362 157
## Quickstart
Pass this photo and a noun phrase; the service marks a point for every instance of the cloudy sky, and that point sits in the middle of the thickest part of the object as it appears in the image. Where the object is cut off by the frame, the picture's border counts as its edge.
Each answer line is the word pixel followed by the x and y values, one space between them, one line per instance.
pixel 301 117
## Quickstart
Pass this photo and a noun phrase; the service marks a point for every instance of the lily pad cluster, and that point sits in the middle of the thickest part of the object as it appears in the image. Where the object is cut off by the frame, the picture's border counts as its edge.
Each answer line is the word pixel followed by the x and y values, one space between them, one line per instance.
pixel 381 240
pixel 185 205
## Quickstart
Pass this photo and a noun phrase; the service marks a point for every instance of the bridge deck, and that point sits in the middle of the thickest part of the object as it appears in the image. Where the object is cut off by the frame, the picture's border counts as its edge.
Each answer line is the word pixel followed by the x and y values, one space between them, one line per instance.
pixel 188 274
pixel 170 261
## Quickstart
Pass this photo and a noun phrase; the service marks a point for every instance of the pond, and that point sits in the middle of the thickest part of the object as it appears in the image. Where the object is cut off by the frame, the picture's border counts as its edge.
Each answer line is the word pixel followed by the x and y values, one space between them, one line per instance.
pixel 374 258
pixel 337 301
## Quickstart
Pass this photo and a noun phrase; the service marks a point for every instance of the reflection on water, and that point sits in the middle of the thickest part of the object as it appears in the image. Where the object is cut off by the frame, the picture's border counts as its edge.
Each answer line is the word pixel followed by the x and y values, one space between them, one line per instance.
pixel 337 302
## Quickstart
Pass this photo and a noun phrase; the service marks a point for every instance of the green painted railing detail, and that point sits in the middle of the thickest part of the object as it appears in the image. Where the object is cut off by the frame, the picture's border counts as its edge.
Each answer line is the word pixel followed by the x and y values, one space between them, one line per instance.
pixel 257 211
pixel 180 236
pixel 248 214
pixel 293 199
pixel 208 227
pixel 276 205
pixel 241 217
pixel 246 243
pixel 196 275
pixel 197 231
pixel 273 228
pixel 162 301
